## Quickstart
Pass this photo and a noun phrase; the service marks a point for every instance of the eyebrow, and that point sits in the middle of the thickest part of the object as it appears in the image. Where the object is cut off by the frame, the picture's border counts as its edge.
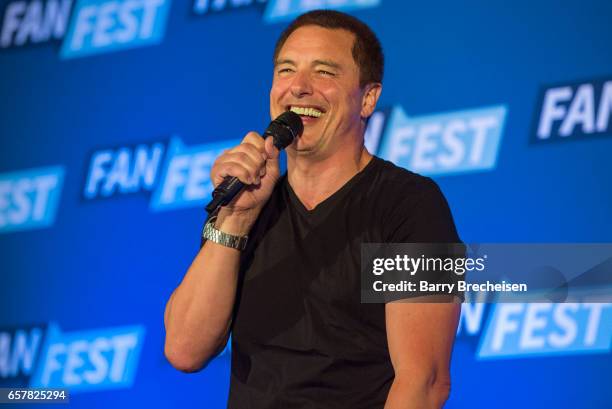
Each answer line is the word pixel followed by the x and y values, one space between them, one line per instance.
pixel 328 63
pixel 284 61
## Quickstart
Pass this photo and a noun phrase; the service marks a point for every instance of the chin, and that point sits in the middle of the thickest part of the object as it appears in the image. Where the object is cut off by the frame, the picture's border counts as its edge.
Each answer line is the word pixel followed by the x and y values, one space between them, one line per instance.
pixel 300 149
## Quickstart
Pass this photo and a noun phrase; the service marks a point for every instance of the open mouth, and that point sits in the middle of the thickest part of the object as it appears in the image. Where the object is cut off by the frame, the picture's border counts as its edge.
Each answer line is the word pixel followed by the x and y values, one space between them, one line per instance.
pixel 306 112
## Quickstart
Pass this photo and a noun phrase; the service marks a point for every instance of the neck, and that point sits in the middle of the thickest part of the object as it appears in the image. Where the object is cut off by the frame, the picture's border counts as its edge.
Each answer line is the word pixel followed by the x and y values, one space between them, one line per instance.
pixel 315 179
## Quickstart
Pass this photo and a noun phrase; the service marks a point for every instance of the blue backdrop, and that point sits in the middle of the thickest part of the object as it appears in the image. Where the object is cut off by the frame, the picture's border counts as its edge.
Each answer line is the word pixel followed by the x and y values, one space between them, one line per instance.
pixel 113 111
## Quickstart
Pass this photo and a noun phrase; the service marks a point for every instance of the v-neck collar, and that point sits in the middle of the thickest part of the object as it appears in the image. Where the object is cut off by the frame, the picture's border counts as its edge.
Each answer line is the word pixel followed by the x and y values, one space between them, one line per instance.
pixel 330 200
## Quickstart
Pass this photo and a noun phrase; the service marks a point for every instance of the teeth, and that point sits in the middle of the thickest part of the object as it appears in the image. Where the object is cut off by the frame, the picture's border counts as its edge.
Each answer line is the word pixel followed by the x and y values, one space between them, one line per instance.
pixel 307 111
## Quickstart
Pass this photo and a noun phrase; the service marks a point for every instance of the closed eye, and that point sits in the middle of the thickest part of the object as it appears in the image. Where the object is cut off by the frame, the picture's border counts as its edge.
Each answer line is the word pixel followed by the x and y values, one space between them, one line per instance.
pixel 326 73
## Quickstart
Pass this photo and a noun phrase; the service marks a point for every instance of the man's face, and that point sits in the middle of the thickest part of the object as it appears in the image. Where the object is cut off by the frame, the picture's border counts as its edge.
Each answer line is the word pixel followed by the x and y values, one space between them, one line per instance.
pixel 316 76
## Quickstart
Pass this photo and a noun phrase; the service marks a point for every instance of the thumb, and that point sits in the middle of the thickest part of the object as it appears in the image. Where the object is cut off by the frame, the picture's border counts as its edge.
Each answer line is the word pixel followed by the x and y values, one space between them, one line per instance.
pixel 271 151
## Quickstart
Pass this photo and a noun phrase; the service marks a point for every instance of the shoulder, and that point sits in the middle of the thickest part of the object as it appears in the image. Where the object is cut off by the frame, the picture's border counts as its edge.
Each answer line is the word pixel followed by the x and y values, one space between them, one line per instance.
pixel 403 185
pixel 412 206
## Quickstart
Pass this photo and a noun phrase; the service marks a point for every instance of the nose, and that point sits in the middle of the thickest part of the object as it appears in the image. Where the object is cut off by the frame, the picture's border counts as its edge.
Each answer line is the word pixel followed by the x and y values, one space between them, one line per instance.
pixel 300 85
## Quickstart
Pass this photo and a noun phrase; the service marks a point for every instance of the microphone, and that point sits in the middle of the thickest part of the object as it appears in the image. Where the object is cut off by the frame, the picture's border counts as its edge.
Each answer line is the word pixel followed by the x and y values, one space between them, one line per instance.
pixel 284 129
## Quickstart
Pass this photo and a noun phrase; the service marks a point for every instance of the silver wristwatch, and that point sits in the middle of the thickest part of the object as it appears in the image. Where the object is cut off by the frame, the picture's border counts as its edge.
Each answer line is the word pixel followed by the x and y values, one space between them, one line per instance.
pixel 225 239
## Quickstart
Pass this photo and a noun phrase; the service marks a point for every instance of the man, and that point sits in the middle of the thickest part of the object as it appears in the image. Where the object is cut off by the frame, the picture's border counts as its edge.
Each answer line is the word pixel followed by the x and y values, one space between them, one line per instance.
pixel 301 338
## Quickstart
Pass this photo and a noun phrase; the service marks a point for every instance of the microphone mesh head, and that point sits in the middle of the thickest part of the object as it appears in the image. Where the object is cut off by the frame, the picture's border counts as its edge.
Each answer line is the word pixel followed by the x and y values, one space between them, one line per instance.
pixel 293 121
pixel 286 127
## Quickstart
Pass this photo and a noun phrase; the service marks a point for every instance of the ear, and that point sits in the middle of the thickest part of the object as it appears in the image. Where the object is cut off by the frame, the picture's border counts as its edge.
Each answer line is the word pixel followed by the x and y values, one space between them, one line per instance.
pixel 370 98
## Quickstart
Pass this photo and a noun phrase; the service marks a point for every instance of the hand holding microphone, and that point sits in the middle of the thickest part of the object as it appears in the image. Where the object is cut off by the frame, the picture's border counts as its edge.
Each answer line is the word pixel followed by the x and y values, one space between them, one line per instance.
pixel 244 176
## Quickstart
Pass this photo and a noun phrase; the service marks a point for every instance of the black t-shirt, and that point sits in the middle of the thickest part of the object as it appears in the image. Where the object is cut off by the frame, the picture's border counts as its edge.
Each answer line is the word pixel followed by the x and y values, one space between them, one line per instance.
pixel 301 338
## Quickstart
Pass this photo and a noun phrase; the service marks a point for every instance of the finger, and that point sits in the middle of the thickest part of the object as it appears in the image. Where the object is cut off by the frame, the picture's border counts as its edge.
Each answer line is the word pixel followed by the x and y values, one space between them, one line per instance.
pixel 247 162
pixel 271 151
pixel 234 169
pixel 253 163
pixel 254 139
pixel 256 154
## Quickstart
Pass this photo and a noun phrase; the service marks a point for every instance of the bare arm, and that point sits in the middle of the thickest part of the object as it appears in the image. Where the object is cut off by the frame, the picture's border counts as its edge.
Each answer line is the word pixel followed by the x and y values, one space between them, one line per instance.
pixel 420 337
pixel 198 314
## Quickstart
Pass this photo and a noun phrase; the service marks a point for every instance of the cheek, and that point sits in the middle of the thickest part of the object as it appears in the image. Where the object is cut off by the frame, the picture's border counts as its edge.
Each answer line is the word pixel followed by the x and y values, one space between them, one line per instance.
pixel 355 101
pixel 329 88
pixel 345 99
pixel 275 103
pixel 274 94
pixel 280 86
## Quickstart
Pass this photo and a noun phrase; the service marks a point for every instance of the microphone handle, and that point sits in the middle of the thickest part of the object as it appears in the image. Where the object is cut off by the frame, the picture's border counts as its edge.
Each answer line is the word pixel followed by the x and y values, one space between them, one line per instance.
pixel 224 193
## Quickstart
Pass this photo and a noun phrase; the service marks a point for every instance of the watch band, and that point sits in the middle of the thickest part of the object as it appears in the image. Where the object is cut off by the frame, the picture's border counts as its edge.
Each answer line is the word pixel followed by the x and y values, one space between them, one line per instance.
pixel 225 239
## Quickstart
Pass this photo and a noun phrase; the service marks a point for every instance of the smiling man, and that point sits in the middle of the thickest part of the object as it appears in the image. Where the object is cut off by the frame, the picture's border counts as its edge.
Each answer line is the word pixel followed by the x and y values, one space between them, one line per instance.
pixel 301 338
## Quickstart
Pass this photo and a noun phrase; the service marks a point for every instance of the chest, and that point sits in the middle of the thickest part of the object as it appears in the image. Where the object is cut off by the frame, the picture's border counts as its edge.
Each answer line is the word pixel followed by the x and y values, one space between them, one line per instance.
pixel 304 276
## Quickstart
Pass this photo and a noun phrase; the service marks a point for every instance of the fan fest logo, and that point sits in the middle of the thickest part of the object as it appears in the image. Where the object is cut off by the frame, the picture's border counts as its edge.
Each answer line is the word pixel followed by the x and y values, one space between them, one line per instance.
pixel 537 329
pixel 438 144
pixel 177 175
pixel 91 27
pixel 99 26
pixel 29 198
pixel 574 111
pixel 42 356
pixel 281 10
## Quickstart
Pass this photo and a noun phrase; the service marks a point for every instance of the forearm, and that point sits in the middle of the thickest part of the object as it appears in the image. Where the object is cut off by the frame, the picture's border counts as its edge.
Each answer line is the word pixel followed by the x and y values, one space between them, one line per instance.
pixel 198 314
pixel 417 394
pixel 420 337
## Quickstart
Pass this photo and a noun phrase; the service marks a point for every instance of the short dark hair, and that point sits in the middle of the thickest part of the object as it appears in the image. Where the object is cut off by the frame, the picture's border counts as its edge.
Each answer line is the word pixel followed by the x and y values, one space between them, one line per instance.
pixel 367 51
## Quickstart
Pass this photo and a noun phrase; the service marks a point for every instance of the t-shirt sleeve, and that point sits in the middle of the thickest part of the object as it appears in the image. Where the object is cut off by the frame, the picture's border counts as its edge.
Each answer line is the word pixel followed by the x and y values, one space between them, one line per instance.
pixel 425 217
pixel 422 218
